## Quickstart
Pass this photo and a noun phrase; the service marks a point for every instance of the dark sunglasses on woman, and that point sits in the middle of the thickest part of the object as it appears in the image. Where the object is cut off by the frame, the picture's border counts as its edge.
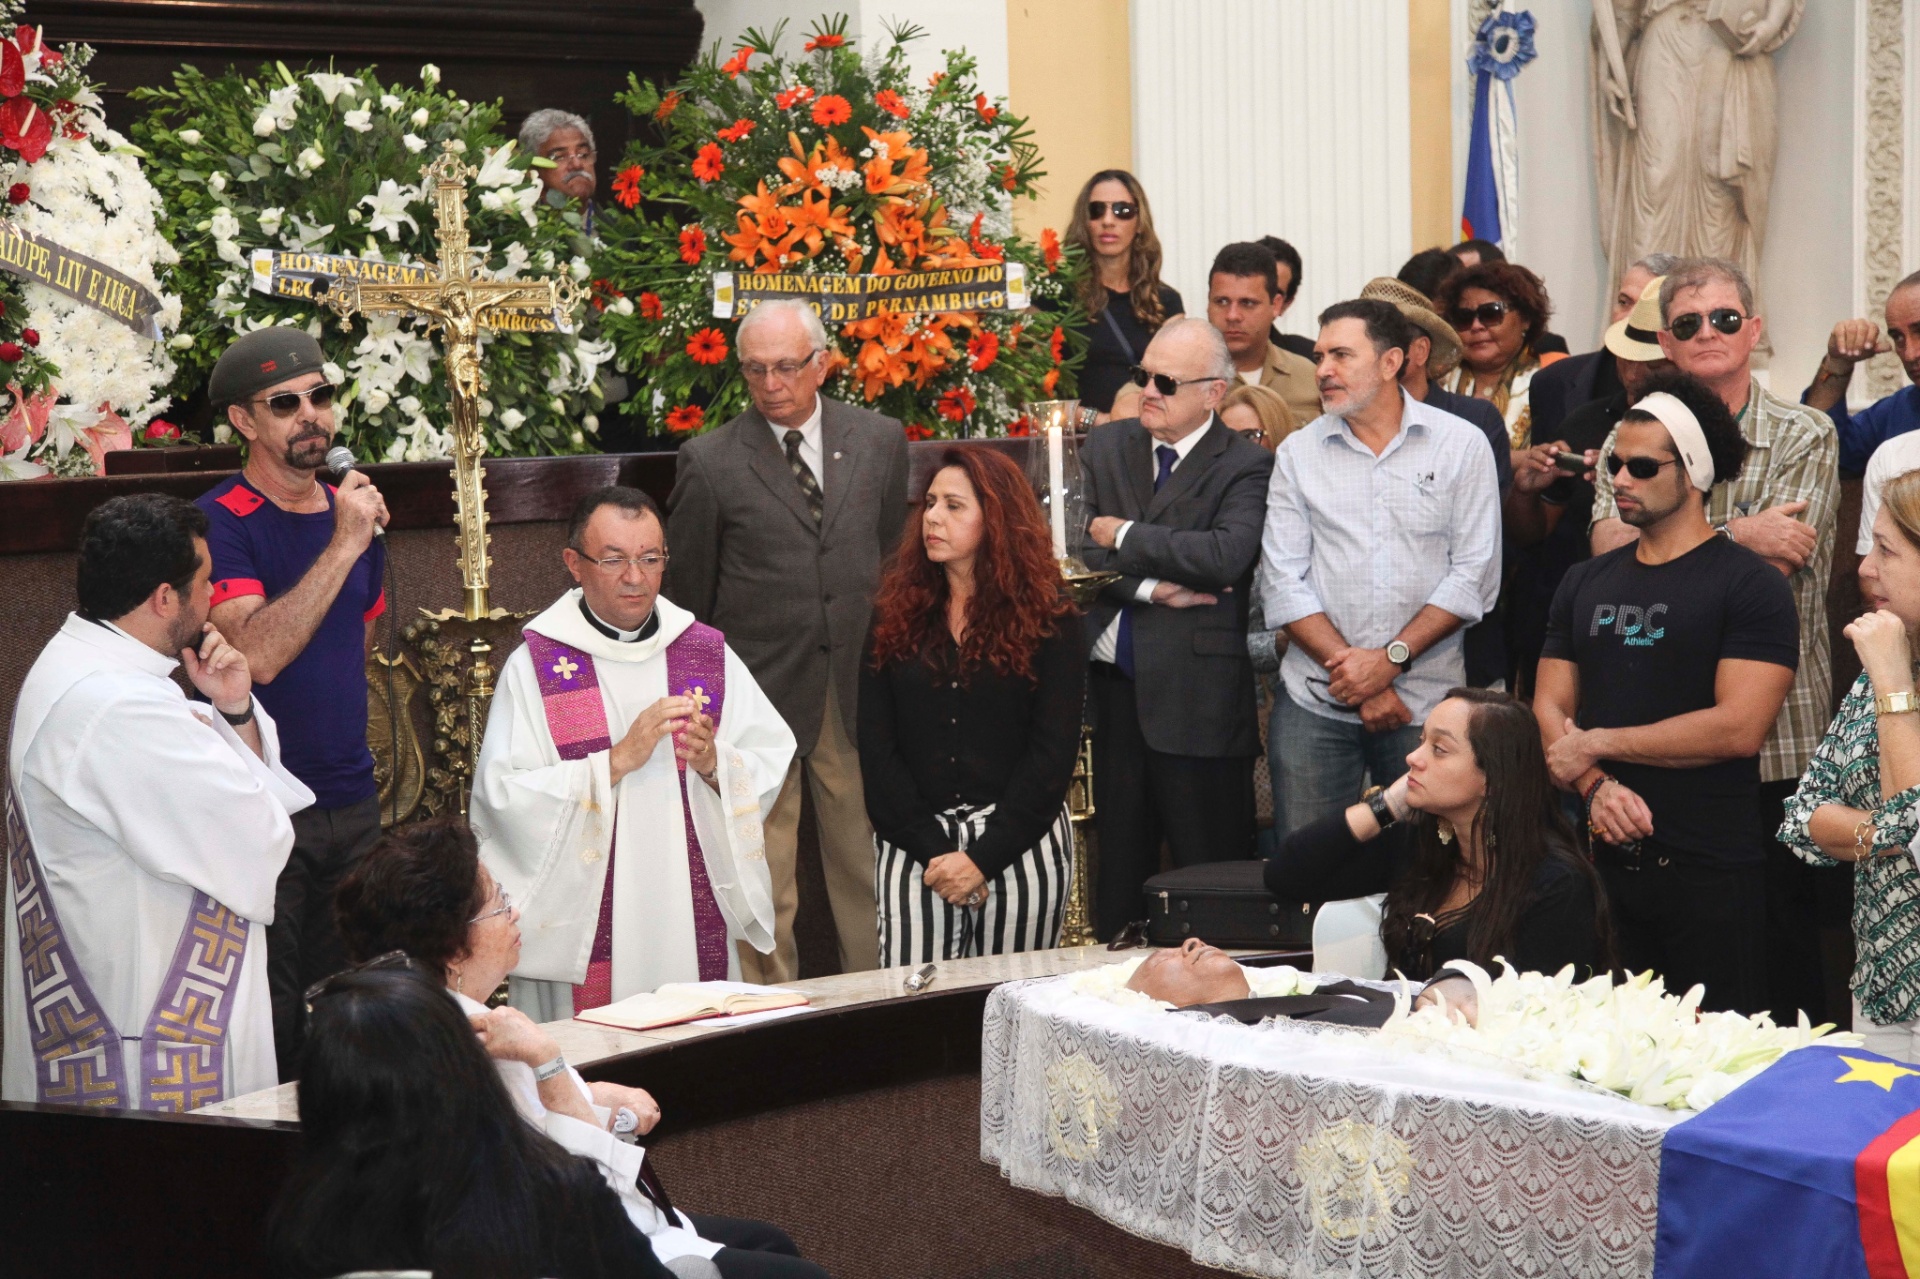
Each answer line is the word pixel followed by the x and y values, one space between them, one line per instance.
pixel 1724 319
pixel 1165 383
pixel 1487 313
pixel 1123 210
pixel 1640 468
pixel 287 403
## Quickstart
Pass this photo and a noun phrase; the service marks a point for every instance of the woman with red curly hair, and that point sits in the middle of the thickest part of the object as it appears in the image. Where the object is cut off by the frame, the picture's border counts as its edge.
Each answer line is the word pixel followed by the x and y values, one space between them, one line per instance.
pixel 970 706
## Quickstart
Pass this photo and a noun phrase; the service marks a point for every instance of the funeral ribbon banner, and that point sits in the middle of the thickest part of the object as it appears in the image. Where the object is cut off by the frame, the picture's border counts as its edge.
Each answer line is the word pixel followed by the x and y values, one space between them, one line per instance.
pixel 77 276
pixel 293 273
pixel 997 286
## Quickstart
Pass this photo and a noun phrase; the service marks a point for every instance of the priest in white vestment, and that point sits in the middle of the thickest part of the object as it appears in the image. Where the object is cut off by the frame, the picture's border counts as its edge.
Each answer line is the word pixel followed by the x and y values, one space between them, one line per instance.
pixel 602 751
pixel 145 835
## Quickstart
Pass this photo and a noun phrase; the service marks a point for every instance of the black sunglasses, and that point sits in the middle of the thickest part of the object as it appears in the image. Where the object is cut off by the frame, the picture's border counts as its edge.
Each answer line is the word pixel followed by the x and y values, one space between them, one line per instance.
pixel 1124 210
pixel 1488 313
pixel 287 403
pixel 1640 468
pixel 1165 383
pixel 1724 319
pixel 392 959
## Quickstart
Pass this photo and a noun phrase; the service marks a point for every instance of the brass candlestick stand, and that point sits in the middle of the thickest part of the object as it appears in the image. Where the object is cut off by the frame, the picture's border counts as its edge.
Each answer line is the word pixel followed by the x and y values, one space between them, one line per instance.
pixel 1076 929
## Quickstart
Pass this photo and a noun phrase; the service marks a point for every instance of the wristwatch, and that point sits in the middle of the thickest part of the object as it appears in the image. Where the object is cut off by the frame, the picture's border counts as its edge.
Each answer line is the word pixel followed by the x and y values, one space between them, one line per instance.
pixel 1400 655
pixel 1903 702
pixel 1376 801
pixel 244 717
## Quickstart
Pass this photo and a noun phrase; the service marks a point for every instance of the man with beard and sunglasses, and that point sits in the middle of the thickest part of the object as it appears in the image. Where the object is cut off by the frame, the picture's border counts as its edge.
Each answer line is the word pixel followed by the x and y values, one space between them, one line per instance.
pixel 1665 663
pixel 297 584
pixel 1783 506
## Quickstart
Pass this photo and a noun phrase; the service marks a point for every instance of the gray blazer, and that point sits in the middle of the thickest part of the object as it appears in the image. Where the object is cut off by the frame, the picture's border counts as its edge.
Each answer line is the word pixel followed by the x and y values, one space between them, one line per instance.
pixel 793 600
pixel 1192 674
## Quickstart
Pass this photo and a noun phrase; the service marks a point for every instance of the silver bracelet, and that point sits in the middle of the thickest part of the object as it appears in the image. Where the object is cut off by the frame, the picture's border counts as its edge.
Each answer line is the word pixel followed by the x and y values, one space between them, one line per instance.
pixel 543 1073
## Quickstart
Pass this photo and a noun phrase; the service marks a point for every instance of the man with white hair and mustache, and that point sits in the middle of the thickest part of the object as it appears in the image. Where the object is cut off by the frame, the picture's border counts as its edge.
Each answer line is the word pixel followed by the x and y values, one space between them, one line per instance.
pixel 566 140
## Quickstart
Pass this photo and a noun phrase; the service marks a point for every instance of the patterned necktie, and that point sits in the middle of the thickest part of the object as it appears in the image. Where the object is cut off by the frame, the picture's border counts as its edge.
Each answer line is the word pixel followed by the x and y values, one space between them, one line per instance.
pixel 809 486
pixel 1123 641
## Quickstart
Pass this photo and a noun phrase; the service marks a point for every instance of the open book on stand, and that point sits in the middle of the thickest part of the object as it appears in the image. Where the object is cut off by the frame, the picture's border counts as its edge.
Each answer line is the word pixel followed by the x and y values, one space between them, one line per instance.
pixel 678 1002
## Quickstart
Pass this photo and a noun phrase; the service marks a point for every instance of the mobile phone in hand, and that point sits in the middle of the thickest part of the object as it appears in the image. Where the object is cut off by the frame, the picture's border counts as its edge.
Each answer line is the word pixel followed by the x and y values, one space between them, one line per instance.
pixel 1571 463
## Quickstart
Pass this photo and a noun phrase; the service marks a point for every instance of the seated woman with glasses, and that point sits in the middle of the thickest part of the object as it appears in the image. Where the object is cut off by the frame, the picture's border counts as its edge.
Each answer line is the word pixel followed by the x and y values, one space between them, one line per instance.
pixel 422 899
pixel 1122 302
pixel 1470 848
pixel 413 1156
pixel 1500 311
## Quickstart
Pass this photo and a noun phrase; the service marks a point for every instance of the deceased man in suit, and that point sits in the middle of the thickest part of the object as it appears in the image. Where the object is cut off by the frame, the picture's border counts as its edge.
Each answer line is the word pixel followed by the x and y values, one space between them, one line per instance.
pixel 1177 501
pixel 779 521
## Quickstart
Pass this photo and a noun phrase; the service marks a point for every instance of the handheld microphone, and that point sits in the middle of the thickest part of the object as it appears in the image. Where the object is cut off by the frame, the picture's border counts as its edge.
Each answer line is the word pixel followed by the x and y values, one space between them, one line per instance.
pixel 340 461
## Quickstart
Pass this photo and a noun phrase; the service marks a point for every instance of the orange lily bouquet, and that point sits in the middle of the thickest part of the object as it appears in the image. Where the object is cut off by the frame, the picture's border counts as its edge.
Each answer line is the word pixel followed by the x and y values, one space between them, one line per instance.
pixel 832 164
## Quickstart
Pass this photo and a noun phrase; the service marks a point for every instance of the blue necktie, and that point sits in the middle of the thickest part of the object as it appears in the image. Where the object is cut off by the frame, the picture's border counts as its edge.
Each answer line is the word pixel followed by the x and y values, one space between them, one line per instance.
pixel 1123 642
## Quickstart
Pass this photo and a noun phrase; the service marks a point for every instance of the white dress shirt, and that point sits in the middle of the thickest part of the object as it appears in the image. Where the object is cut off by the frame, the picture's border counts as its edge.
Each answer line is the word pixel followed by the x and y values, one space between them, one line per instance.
pixel 1104 647
pixel 809 443
pixel 1369 541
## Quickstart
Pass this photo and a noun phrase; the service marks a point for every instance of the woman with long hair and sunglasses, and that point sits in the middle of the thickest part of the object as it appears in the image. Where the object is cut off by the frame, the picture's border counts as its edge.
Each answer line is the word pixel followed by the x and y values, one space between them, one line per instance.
pixel 1500 310
pixel 1859 800
pixel 1470 846
pixel 970 709
pixel 422 899
pixel 413 1156
pixel 1122 303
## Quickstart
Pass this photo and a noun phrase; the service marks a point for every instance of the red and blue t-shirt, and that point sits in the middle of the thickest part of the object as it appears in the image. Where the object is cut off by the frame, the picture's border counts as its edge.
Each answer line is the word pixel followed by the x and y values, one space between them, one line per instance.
pixel 319 701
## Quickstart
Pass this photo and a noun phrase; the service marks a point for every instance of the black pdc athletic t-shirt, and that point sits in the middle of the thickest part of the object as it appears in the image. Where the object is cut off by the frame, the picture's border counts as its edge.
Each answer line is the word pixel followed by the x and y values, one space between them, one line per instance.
pixel 1649 639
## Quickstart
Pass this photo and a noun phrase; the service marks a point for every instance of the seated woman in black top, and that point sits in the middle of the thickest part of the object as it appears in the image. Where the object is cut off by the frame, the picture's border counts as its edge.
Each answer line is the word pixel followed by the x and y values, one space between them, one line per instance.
pixel 1469 847
pixel 413 1158
pixel 1122 304
pixel 970 708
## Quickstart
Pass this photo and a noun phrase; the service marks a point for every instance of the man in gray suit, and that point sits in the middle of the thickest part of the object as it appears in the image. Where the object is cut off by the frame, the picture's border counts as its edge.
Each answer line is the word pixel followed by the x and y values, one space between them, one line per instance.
pixel 779 522
pixel 1177 502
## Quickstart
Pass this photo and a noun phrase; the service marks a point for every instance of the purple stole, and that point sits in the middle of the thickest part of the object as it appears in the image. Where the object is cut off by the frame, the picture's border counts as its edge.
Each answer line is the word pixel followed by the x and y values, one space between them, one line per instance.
pixel 577 719
pixel 183 1062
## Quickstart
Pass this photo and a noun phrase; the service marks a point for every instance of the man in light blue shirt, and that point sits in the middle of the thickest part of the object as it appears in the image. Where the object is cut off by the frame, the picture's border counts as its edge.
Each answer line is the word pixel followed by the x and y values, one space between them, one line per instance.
pixel 1382 541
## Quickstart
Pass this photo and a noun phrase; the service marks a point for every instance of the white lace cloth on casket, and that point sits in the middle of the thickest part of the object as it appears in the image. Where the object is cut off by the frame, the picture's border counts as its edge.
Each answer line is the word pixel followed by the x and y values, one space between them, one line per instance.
pixel 1313 1151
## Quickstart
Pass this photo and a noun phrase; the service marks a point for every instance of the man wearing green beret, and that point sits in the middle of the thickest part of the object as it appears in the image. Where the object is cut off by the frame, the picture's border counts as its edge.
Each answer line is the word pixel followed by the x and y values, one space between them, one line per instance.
pixel 297 578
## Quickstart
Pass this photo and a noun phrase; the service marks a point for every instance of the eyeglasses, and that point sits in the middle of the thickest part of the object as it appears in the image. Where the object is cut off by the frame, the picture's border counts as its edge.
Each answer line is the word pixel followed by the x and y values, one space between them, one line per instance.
pixel 576 153
pixel 287 403
pixel 785 370
pixel 392 959
pixel 1165 383
pixel 1488 314
pixel 1724 319
pixel 1640 468
pixel 1123 210
pixel 506 904
pixel 653 562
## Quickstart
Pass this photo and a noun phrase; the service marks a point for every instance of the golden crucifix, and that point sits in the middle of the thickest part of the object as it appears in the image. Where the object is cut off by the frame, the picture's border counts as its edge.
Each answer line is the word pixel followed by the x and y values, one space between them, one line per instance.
pixel 460 304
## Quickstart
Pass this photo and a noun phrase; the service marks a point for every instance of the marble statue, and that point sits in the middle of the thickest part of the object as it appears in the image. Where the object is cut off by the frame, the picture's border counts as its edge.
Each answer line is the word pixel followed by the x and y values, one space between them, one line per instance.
pixel 1684 125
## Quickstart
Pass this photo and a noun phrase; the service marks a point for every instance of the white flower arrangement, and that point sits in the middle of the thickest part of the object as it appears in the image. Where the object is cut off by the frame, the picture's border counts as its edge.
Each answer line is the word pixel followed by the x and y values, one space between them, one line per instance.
pixel 1633 1038
pixel 1109 982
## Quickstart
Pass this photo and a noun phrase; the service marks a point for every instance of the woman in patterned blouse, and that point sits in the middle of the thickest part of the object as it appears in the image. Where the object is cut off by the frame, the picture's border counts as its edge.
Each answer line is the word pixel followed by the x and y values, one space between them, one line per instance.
pixel 1859 801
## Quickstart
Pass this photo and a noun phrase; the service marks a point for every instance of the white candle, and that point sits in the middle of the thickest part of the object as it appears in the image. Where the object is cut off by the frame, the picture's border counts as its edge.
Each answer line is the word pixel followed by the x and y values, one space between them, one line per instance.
pixel 1056 490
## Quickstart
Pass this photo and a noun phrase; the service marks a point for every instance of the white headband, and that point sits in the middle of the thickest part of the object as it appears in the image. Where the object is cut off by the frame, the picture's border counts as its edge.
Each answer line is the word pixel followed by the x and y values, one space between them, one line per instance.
pixel 1689 441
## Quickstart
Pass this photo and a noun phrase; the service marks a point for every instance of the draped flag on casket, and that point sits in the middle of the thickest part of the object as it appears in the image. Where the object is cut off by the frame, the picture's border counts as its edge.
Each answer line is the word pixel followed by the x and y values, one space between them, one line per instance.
pixel 1810 1168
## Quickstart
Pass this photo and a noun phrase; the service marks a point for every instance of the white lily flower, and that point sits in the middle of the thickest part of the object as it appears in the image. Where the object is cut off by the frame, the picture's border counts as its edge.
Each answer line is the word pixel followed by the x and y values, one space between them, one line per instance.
pixel 14 466
pixel 330 85
pixel 305 234
pixel 359 121
pixel 389 103
pixel 414 143
pixel 310 159
pixel 264 123
pixel 270 220
pixel 495 171
pixel 512 419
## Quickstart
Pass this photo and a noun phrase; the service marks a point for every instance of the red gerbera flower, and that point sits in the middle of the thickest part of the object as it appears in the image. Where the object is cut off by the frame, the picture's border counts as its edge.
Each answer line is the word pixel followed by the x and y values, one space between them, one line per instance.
pixel 981 108
pixel 708 164
pixel 956 404
pixel 736 131
pixel 933 81
pixel 892 103
pixel 1047 383
pixel 708 346
pixel 687 417
pixel 1050 248
pixel 649 306
pixel 693 245
pixel 1057 344
pixel 831 110
pixel 1010 177
pixel 1022 425
pixel 826 41
pixel 984 347
pixel 738 62
pixel 668 105
pixel 626 185
pixel 919 431
pixel 795 96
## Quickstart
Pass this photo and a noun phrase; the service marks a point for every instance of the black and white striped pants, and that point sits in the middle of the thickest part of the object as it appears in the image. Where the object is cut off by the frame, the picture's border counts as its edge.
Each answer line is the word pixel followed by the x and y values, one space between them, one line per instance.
pixel 1024 906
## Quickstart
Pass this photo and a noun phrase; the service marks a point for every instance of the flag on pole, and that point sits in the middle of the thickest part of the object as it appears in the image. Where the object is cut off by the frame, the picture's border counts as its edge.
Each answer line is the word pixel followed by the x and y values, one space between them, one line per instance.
pixel 1501 47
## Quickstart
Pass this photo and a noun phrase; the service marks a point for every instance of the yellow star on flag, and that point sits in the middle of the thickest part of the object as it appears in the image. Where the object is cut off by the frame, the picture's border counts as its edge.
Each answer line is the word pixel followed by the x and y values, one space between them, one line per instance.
pixel 1873 1072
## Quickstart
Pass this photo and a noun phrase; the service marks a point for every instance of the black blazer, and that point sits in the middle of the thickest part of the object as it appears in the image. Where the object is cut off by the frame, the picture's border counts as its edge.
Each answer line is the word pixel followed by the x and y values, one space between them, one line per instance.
pixel 1564 386
pixel 1193 677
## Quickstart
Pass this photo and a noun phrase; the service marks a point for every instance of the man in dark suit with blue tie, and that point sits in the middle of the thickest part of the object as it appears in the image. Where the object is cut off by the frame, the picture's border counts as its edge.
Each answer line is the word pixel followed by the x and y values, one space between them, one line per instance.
pixel 1176 503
